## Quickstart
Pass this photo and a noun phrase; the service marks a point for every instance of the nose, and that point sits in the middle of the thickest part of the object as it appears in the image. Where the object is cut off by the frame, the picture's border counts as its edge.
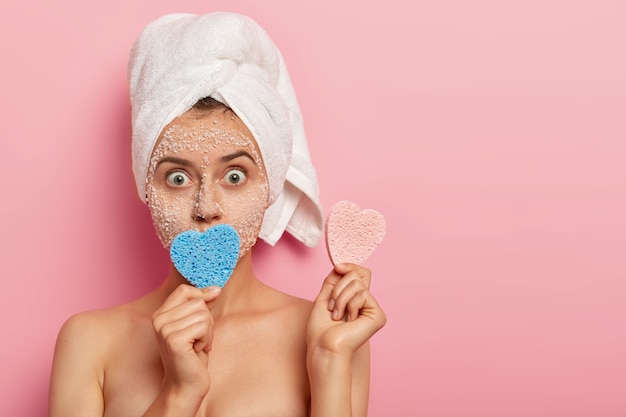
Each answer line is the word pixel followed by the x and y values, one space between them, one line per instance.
pixel 207 208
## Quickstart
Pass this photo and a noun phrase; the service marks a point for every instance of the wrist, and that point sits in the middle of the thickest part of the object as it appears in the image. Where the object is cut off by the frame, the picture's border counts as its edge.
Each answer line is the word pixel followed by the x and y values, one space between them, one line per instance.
pixel 330 379
pixel 183 398
pixel 324 360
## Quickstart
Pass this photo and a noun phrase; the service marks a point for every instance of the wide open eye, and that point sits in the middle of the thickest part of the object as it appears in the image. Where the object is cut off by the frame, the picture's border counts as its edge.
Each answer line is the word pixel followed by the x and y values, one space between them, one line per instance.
pixel 235 177
pixel 178 179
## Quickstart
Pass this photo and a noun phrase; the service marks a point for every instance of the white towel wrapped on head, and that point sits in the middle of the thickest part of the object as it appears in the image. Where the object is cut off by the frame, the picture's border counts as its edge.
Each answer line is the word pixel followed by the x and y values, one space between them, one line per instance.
pixel 181 58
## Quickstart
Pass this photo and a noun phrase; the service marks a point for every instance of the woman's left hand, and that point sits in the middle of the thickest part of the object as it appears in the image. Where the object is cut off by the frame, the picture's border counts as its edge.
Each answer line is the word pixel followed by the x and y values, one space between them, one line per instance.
pixel 345 314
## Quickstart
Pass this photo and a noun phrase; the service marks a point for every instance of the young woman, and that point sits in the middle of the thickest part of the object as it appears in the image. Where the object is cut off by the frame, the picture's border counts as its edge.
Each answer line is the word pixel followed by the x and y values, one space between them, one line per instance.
pixel 217 139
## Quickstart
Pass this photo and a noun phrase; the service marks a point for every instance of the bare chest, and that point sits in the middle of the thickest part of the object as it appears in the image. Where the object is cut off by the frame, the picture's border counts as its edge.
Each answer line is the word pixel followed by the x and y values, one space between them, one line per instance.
pixel 255 370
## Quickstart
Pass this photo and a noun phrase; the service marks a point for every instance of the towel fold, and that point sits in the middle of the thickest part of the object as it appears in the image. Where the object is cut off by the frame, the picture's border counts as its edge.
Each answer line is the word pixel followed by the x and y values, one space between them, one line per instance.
pixel 181 58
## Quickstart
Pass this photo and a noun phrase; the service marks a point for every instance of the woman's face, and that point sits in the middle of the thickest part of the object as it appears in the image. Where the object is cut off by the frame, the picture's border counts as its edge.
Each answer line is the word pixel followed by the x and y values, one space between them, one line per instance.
pixel 206 169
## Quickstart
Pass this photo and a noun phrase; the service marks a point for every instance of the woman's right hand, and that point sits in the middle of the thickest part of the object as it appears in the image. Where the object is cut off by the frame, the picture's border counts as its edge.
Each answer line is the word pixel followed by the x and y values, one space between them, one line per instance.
pixel 184 330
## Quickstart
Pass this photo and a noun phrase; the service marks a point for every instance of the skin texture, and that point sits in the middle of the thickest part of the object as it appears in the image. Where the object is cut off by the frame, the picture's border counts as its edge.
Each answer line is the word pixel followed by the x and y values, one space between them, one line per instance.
pixel 244 350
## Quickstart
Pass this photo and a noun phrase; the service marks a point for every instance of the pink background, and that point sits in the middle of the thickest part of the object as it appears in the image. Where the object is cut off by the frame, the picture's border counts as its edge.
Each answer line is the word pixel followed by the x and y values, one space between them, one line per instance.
pixel 490 134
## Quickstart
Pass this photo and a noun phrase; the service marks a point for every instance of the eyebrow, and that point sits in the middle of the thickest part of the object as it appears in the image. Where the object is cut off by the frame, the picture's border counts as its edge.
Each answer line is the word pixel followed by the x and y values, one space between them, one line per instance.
pixel 175 160
pixel 235 155
pixel 223 159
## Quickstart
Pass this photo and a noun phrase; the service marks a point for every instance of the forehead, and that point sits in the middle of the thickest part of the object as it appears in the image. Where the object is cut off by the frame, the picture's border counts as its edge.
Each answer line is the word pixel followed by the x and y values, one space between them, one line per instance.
pixel 222 116
pixel 201 130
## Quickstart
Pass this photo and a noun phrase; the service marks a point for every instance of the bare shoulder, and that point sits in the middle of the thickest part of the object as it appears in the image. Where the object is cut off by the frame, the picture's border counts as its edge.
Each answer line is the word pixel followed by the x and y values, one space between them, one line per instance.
pixel 89 338
pixel 86 320
pixel 85 345
pixel 91 331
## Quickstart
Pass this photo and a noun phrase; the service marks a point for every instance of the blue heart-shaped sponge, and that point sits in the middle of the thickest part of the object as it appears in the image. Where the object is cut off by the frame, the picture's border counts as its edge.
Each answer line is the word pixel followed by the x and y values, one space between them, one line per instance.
pixel 206 259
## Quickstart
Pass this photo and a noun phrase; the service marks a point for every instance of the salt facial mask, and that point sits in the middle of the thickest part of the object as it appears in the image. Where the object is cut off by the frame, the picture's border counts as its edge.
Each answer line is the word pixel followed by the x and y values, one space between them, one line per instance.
pixel 205 170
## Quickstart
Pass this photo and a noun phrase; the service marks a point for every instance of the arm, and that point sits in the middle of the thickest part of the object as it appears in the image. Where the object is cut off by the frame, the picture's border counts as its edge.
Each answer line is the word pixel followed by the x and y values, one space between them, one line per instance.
pixel 184 330
pixel 343 318
pixel 361 381
pixel 339 385
pixel 77 370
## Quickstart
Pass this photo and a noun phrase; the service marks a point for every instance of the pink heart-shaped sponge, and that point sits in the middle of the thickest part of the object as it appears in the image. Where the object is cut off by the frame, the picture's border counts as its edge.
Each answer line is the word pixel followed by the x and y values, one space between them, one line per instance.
pixel 352 234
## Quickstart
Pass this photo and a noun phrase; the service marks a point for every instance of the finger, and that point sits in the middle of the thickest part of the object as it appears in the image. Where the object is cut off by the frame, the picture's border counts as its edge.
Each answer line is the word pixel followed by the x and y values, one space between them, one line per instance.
pixel 327 286
pixel 200 346
pixel 363 272
pixel 184 339
pixel 340 287
pixel 370 320
pixel 355 304
pixel 182 293
pixel 348 292
pixel 210 295
pixel 174 326
pixel 204 344
pixel 179 312
pixel 188 296
pixel 372 314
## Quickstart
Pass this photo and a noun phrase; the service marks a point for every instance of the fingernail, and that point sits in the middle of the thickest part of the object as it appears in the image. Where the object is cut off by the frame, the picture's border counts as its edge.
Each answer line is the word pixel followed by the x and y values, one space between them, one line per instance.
pixel 214 290
pixel 335 314
pixel 331 304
